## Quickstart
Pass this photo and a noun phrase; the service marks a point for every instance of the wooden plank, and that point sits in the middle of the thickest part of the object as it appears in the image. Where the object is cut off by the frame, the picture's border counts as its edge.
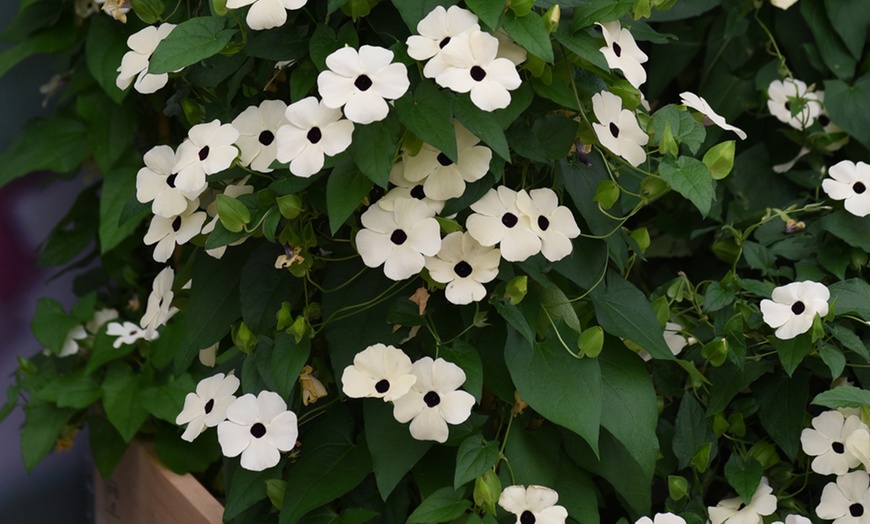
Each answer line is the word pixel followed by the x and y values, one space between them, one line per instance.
pixel 143 491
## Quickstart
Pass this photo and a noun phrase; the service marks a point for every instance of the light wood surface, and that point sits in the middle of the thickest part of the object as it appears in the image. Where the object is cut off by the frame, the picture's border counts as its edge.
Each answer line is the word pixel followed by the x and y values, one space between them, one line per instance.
pixel 142 491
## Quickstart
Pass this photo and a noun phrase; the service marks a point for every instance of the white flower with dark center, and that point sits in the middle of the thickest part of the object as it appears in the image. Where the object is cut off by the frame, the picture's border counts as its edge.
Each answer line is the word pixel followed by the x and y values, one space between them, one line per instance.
pixel 208 150
pixel 378 371
pixel 398 239
pixel 794 519
pixel 70 343
pixel 362 81
pixel 406 189
pixel 434 400
pixel 618 129
pixel 207 407
pixel 622 52
pixel 159 308
pixel 794 306
pixel 233 191
pixel 436 30
pixel 850 182
pixel 101 316
pixel 312 131
pixel 135 63
pixel 662 518
pixel 441 177
pixel 266 14
pixel 127 332
pixel 155 183
pixel 473 68
pixel 699 104
pixel 169 232
pixel 734 511
pixel 846 501
pixel 533 505
pixel 465 266
pixel 826 441
pixel 258 428
pixel 554 224
pixel 497 220
pixel 257 126
pixel 784 94
pixel 783 4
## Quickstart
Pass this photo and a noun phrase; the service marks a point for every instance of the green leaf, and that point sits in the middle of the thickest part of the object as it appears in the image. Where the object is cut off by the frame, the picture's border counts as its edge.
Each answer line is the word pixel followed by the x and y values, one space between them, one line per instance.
pixel 43 423
pixel 583 44
pixel 466 357
pixel 691 430
pixel 122 401
pixel 331 466
pixel 76 390
pixel 833 358
pixel 474 456
pixel 429 115
pixel 848 338
pixel 288 358
pixel 59 144
pixel 600 11
pixel 325 41
pixel 191 41
pixel 850 296
pixel 623 311
pixel 843 397
pixel 117 185
pixel 851 18
pixel 529 32
pixel 233 214
pixel 373 149
pixel 685 129
pixel 51 324
pixel 565 390
pixel 514 317
pixel 345 190
pixel 848 228
pixel 782 405
pixel 744 477
pixel 729 379
pixel 107 446
pixel 167 400
pixel 834 53
pixel 483 125
pixel 246 489
pixel 149 11
pixel 413 11
pixel 717 297
pixel 394 451
pixel 690 178
pixel 793 351
pixel 719 159
pixel 262 289
pixel 444 505
pixel 105 46
pixel 183 457
pixel 488 11
pixel 49 40
pixel 104 351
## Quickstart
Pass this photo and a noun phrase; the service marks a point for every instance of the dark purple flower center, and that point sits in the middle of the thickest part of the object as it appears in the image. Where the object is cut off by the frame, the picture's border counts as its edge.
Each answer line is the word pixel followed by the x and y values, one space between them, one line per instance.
pixel 798 307
pixel 209 406
pixel 477 73
pixel 463 269
pixel 266 137
pixel 858 188
pixel 444 160
pixel 838 447
pixel 527 517
pixel 856 510
pixel 614 130
pixel 417 192
pixel 824 120
pixel 617 50
pixel 363 82
pixel 382 386
pixel 258 430
pixel 314 135
pixel 444 42
pixel 509 220
pixel 203 154
pixel 176 224
pixel 543 223
pixel 170 180
pixel 788 105
pixel 398 237
pixel 431 399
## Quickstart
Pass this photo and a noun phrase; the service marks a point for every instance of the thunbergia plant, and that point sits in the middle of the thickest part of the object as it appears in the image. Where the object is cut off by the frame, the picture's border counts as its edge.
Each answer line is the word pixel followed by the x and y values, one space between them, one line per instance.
pixel 474 261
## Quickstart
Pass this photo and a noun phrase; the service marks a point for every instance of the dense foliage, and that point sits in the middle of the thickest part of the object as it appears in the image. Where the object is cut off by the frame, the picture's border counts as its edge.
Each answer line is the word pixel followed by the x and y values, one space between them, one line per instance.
pixel 669 307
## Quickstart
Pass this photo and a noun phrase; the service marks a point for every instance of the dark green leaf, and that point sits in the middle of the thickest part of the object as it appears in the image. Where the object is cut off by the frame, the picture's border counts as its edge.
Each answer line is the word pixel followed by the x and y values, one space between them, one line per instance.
pixel 76 390
pixel 183 457
pixel 843 397
pixel 345 190
pixel 717 297
pixel 690 178
pixel 515 318
pixel 685 129
pixel 104 48
pixel 288 359
pixel 444 505
pixel 394 451
pixel 466 357
pixel 851 18
pixel 429 115
pixel 483 125
pixel 488 11
pixel 474 456
pixel 834 53
pixel 413 11
pixel 529 32
pixel 850 296
pixel 262 289
pixel 166 401
pixel 122 401
pixel 583 44
pixel 793 351
pixel 51 324
pixel 191 41
pixel 43 423
pixel 833 358
pixel 58 145
pixel 782 404
pixel 373 149
pixel 107 446
pixel 104 351
pixel 849 339
pixel 117 185
pixel 247 488
pixel 691 430
pixel 729 379
pixel 744 476
pixel 49 40
pixel 600 11
pixel 847 227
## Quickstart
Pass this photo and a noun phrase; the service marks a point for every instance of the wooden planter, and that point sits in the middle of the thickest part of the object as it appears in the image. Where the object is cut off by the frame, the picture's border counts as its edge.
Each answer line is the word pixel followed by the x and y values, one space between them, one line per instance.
pixel 143 491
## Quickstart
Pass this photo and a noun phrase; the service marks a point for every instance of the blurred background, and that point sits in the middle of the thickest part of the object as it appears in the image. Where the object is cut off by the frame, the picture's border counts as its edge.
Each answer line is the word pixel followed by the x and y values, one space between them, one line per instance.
pixel 57 490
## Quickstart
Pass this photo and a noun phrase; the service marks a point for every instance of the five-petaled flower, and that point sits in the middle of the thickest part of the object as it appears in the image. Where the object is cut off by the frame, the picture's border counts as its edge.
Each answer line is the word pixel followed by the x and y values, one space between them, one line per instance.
pixel 533 505
pixel 313 131
pixel 465 266
pixel 850 182
pixel 155 183
pixel 498 220
pixel 207 406
pixel 826 441
pixel 554 224
pixel 259 428
pixel 734 511
pixel 136 61
pixel 784 94
pixel 257 126
pixel 266 14
pixel 159 308
pixel 436 30
pixel 794 307
pixel 617 128
pixel 127 332
pixel 167 232
pixel 699 104
pixel 847 500
pixel 208 150
pixel 379 371
pixel 622 52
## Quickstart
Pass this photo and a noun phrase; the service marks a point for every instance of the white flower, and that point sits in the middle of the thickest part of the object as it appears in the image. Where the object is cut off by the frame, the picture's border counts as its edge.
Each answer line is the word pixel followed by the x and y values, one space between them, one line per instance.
pixel 257 126
pixel 699 104
pixel 442 178
pixel 673 339
pixel 827 442
pixel 662 518
pixel 465 266
pixel 784 93
pixel 234 191
pixel 436 30
pixel 795 519
pixel 208 356
pixel 783 4
pixel 167 232
pixel 312 131
pixel 159 309
pixel 847 501
pixel 406 189
pixel 622 52
pixel 618 129
pixel 266 14
pixel 378 371
pixel 785 167
pixel 258 428
pixel 136 61
pixel 208 150
pixel 207 407
pixel 497 220
pixel 473 67
pixel 70 343
pixel 399 239
pixel 734 511
pixel 794 306
pixel 554 224
pixel 858 442
pixel 101 316
pixel 533 505
pixel 155 183
pixel 361 81
pixel 127 332
pixel 850 182
pixel 434 400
